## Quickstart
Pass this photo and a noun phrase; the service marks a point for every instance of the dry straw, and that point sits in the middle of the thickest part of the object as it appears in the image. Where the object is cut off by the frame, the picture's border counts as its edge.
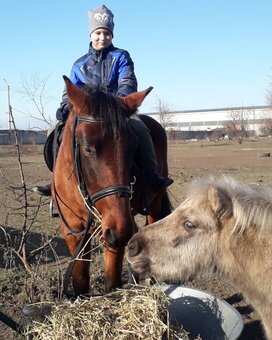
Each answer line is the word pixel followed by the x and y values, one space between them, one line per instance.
pixel 138 313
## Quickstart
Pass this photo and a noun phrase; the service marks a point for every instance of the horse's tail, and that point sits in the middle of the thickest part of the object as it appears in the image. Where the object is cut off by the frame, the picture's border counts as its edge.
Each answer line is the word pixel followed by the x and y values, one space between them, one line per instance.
pixel 166 206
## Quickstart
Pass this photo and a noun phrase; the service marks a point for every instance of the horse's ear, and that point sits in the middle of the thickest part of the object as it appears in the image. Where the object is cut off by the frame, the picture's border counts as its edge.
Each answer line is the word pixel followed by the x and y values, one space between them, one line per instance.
pixel 220 202
pixel 135 99
pixel 75 95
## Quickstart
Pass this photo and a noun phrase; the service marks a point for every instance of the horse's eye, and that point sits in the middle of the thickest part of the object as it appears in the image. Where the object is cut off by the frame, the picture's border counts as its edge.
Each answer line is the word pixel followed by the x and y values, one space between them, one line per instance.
pixel 89 150
pixel 189 225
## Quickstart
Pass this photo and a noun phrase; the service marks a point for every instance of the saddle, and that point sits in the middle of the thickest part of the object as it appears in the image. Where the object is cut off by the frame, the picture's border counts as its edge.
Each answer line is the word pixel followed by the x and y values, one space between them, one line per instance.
pixel 52 145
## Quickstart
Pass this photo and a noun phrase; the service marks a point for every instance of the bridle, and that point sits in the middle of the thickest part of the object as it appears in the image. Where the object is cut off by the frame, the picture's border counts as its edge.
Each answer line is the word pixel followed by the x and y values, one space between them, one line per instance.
pixel 94 216
pixel 89 200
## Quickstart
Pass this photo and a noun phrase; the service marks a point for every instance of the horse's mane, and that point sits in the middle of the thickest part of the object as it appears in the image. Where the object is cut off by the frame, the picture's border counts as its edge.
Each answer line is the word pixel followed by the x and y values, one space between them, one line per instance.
pixel 251 204
pixel 106 107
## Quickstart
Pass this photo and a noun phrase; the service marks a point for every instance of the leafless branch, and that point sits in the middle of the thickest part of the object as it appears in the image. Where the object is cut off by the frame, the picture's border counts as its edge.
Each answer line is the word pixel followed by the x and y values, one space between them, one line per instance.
pixel 35 90
pixel 165 118
pixel 237 126
pixel 28 214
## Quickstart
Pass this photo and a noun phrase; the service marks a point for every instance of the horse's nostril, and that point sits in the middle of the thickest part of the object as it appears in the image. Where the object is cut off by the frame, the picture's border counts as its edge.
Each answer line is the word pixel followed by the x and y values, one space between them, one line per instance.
pixel 133 248
pixel 114 239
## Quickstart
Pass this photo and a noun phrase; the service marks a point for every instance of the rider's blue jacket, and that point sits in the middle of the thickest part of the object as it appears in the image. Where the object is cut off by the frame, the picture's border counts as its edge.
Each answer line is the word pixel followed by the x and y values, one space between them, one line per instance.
pixel 111 69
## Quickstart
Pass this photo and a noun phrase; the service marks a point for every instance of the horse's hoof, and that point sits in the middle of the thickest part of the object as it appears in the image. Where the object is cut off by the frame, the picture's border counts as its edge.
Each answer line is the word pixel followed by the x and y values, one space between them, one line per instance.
pixel 128 286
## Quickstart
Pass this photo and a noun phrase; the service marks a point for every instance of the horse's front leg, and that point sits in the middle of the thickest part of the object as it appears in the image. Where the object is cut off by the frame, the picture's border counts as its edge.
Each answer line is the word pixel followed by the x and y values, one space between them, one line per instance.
pixel 81 277
pixel 113 261
pixel 81 269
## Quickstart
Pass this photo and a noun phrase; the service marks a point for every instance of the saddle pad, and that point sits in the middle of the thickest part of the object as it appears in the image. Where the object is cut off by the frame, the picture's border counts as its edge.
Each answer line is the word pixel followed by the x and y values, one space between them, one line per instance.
pixel 48 151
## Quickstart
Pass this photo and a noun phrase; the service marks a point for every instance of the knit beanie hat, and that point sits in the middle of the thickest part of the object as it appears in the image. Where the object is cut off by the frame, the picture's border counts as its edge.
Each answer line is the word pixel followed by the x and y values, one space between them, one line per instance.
pixel 100 17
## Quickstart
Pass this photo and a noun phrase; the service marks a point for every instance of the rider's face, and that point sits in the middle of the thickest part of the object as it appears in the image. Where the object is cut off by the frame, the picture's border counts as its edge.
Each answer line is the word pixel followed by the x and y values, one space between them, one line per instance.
pixel 101 38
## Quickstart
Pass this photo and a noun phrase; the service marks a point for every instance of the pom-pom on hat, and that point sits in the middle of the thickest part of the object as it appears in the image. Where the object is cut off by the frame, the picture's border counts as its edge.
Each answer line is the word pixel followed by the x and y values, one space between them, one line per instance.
pixel 100 17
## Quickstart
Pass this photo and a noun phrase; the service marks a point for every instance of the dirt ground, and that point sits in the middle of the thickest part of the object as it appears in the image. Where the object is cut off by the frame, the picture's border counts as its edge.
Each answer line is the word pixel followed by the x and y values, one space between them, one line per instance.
pixel 247 162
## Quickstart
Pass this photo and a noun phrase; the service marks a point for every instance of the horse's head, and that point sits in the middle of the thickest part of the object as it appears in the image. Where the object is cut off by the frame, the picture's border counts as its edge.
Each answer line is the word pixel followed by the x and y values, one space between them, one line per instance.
pixel 103 150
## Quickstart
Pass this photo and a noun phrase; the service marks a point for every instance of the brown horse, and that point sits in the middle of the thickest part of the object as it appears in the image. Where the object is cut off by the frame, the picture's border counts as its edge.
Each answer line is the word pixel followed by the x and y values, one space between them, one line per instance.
pixel 93 176
pixel 223 228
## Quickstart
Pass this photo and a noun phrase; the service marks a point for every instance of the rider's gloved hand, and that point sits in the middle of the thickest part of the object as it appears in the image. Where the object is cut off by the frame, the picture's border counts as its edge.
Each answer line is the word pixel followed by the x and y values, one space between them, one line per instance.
pixel 63 112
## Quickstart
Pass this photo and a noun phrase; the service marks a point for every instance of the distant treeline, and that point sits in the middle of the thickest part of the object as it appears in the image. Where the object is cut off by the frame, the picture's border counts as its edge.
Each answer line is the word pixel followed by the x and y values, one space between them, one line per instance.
pixel 216 134
pixel 24 137
pixel 39 137
pixel 187 135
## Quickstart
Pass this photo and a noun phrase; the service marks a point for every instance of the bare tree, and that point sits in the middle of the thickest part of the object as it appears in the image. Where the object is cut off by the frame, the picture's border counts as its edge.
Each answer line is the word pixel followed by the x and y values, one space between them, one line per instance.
pixel 269 96
pixel 219 134
pixel 165 118
pixel 237 126
pixel 266 127
pixel 35 91
pixel 26 213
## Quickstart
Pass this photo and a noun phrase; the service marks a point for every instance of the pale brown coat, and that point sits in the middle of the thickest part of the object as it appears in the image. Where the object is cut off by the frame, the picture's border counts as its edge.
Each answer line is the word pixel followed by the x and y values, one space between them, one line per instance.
pixel 224 227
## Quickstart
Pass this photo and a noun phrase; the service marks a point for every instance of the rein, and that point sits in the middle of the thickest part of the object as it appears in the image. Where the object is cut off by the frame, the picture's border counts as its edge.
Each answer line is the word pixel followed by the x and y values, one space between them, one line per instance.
pixel 89 200
pixel 8 321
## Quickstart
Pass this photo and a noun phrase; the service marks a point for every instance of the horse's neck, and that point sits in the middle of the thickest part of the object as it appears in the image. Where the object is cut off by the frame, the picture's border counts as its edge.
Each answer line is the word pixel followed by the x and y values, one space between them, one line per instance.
pixel 245 261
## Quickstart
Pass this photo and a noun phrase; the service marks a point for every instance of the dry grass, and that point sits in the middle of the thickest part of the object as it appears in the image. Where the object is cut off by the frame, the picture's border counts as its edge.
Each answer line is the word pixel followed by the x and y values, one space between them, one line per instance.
pixel 138 313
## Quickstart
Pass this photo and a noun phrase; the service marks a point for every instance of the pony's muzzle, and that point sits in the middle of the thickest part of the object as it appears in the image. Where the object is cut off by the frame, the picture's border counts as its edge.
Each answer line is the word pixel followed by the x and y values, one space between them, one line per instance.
pixel 136 255
pixel 135 246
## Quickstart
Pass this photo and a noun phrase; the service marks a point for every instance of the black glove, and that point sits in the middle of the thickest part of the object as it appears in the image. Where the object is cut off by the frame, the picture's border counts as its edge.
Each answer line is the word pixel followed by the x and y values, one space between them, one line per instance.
pixel 63 112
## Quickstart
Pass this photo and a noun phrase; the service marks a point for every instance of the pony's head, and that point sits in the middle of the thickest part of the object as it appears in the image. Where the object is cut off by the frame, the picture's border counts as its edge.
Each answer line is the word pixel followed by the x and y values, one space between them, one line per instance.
pixel 218 216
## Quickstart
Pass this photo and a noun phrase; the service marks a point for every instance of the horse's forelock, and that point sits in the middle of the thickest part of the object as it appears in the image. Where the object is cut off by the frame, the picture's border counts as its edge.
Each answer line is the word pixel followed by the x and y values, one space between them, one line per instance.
pixel 104 106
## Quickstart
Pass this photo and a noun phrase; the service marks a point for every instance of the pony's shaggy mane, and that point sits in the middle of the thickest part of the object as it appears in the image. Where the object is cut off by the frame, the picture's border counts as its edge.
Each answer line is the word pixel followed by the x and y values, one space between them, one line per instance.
pixel 251 204
pixel 106 107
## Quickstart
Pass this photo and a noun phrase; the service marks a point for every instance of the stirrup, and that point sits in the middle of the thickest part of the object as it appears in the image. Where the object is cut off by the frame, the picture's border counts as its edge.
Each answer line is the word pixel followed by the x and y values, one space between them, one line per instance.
pixel 52 214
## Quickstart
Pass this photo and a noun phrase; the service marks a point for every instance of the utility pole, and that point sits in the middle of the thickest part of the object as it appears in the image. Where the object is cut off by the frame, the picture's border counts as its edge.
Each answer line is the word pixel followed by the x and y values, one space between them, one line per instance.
pixel 9 107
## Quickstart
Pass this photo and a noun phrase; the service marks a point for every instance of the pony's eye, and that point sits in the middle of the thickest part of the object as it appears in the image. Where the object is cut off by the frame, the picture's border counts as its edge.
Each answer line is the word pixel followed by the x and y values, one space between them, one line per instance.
pixel 189 225
pixel 89 150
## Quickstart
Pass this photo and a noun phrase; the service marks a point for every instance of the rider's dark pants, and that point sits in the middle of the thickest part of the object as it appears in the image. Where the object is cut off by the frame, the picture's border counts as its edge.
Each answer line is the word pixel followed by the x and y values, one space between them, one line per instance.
pixel 145 145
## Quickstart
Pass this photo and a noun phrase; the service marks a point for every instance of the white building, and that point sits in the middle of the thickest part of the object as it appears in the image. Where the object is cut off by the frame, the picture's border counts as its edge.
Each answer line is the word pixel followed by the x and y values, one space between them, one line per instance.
pixel 253 117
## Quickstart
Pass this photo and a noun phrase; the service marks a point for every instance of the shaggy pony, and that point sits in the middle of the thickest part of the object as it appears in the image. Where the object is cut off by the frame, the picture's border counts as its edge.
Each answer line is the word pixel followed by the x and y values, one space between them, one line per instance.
pixel 224 228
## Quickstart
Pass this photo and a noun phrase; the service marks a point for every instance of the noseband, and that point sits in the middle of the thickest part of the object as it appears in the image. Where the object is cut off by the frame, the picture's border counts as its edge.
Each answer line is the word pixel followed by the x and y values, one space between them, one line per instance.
pixel 89 200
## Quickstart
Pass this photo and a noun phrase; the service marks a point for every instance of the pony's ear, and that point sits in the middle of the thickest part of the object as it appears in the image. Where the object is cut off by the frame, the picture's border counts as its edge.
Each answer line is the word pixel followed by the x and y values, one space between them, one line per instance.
pixel 219 201
pixel 135 99
pixel 75 95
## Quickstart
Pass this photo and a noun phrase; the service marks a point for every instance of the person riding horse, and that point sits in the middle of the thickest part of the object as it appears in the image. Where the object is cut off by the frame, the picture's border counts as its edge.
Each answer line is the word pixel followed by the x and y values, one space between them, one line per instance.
pixel 111 69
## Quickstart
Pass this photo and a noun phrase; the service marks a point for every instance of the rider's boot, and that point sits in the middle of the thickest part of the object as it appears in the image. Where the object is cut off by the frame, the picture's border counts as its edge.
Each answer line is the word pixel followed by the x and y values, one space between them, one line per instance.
pixel 43 190
pixel 148 156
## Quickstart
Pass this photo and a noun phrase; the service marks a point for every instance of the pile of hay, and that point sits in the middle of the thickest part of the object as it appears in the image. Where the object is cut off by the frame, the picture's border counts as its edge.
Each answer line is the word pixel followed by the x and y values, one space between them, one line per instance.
pixel 139 313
